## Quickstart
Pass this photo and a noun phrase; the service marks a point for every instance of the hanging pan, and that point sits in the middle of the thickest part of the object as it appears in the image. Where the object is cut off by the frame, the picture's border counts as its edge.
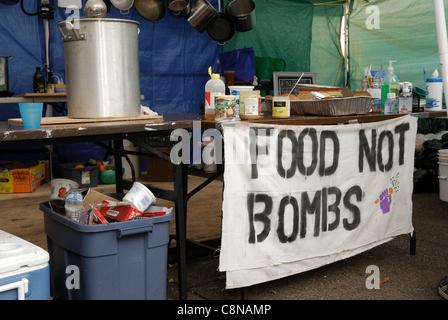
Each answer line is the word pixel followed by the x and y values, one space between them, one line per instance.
pixel 178 8
pixel 153 10
pixel 221 29
pixel 9 2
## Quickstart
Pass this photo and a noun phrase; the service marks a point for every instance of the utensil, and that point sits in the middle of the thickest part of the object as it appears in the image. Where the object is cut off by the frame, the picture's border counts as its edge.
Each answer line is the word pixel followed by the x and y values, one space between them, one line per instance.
pixel 102 68
pixel 201 14
pixel 95 9
pixel 222 28
pixel 152 10
pixel 243 14
pixel 178 8
pixel 9 2
pixel 295 85
pixel 123 5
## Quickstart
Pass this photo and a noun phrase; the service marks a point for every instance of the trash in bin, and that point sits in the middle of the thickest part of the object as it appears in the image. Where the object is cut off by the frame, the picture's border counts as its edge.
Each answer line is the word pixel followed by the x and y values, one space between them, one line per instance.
pixel 115 261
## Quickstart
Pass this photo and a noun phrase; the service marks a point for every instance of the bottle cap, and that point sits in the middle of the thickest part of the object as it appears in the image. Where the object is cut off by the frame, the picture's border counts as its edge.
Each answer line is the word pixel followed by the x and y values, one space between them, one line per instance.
pixel 435 74
pixel 215 76
pixel 391 69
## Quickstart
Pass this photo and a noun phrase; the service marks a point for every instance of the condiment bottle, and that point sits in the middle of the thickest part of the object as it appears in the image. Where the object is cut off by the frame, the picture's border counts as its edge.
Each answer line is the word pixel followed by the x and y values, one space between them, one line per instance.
pixel 280 107
pixel 39 81
pixel 250 105
pixel 214 87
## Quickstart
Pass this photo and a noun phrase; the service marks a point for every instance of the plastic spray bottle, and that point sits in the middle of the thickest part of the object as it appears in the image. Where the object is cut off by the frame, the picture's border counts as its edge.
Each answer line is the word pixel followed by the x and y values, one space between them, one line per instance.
pixel 214 87
pixel 390 82
pixel 389 105
pixel 405 100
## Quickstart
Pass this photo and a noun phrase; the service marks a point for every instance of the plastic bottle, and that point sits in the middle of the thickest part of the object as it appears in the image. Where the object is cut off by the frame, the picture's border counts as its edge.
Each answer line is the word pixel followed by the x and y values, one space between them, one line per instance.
pixel 73 204
pixel 39 81
pixel 405 100
pixel 391 79
pixel 214 87
pixel 389 105
pixel 50 83
pixel 434 92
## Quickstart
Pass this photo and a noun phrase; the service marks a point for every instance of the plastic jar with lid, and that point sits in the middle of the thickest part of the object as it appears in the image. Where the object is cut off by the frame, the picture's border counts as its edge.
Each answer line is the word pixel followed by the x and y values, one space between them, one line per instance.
pixel 280 107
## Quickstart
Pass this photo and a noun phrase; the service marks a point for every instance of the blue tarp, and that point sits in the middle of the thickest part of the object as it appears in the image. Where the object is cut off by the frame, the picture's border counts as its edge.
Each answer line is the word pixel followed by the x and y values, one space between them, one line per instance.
pixel 174 59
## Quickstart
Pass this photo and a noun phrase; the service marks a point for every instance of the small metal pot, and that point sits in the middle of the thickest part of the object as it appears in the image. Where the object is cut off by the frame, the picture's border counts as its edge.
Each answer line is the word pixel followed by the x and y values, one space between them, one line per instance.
pixel 243 14
pixel 178 8
pixel 201 14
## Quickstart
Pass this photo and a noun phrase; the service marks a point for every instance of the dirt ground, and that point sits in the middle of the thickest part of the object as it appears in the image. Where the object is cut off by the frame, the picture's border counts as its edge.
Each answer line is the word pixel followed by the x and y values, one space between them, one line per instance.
pixel 20 214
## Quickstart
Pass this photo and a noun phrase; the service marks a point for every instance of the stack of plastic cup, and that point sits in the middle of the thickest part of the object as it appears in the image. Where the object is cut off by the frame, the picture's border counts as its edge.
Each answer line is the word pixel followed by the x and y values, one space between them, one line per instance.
pixel 31 114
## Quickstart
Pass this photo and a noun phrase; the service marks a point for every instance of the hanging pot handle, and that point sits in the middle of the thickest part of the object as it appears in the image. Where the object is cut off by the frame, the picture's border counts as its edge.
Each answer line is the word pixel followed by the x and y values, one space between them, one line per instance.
pixel 67 37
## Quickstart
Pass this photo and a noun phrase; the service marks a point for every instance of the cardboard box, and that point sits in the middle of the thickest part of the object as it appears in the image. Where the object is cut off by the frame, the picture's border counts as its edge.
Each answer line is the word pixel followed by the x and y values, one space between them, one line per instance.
pixel 22 178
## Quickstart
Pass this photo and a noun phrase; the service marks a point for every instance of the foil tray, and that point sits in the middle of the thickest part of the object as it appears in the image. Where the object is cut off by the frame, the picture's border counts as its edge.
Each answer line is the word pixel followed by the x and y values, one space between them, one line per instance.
pixel 328 107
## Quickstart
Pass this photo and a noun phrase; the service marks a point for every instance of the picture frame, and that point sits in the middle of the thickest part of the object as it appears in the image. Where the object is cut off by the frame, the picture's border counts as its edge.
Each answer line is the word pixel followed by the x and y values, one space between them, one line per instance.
pixel 284 81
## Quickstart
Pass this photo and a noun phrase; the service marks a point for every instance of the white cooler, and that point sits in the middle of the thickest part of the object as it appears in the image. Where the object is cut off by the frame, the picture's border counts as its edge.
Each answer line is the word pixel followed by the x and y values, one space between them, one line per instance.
pixel 24 270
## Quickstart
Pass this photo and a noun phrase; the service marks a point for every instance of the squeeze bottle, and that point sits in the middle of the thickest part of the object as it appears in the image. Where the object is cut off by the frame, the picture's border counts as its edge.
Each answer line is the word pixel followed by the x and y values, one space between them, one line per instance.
pixel 434 92
pixel 390 82
pixel 389 105
pixel 214 87
pixel 405 101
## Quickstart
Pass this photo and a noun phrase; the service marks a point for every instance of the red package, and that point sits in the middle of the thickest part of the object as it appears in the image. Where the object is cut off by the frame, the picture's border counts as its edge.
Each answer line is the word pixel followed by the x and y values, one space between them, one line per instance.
pixel 154 211
pixel 99 218
pixel 121 212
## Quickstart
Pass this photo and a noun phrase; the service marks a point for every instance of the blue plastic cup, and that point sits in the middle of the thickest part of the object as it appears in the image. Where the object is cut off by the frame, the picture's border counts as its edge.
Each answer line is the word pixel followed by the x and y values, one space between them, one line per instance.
pixel 31 114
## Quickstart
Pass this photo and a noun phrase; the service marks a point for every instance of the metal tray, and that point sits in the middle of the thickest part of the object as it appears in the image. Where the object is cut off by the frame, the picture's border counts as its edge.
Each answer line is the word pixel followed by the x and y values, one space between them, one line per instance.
pixel 328 107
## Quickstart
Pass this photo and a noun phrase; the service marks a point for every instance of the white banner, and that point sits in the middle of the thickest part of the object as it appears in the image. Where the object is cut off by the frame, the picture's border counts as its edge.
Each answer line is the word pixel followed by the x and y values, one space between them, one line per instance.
pixel 300 197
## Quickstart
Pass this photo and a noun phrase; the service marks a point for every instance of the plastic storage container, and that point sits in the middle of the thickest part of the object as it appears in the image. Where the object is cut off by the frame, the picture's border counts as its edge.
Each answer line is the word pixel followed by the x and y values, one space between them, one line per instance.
pixel 86 176
pixel 122 260
pixel 24 270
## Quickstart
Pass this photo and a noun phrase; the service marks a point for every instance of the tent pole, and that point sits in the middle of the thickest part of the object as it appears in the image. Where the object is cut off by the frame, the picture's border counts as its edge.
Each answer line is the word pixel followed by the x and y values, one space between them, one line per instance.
pixel 346 10
pixel 439 14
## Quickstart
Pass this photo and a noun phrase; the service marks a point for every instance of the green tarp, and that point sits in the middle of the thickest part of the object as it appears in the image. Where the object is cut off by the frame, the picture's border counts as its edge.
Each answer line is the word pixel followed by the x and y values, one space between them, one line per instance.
pixel 304 33
pixel 402 30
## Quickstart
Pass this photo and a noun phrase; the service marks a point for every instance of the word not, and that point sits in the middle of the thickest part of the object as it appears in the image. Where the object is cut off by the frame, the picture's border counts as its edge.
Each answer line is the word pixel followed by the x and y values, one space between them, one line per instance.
pixel 272 146
pixel 308 142
pixel 318 207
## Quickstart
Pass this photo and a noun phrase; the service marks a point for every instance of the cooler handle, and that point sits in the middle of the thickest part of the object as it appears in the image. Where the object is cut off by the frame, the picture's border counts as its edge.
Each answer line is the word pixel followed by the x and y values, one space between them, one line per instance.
pixel 21 286
pixel 134 230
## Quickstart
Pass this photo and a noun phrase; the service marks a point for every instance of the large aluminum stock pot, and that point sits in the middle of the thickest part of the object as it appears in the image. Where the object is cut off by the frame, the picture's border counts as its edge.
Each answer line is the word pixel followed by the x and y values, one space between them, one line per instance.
pixel 101 67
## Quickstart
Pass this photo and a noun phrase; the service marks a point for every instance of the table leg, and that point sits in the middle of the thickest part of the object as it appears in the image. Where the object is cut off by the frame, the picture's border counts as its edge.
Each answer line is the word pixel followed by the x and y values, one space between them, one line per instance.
pixel 118 144
pixel 180 205
pixel 413 243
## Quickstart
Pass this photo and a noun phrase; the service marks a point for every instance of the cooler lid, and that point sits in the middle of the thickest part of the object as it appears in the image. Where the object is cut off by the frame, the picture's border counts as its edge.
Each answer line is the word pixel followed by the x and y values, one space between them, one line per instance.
pixel 16 253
